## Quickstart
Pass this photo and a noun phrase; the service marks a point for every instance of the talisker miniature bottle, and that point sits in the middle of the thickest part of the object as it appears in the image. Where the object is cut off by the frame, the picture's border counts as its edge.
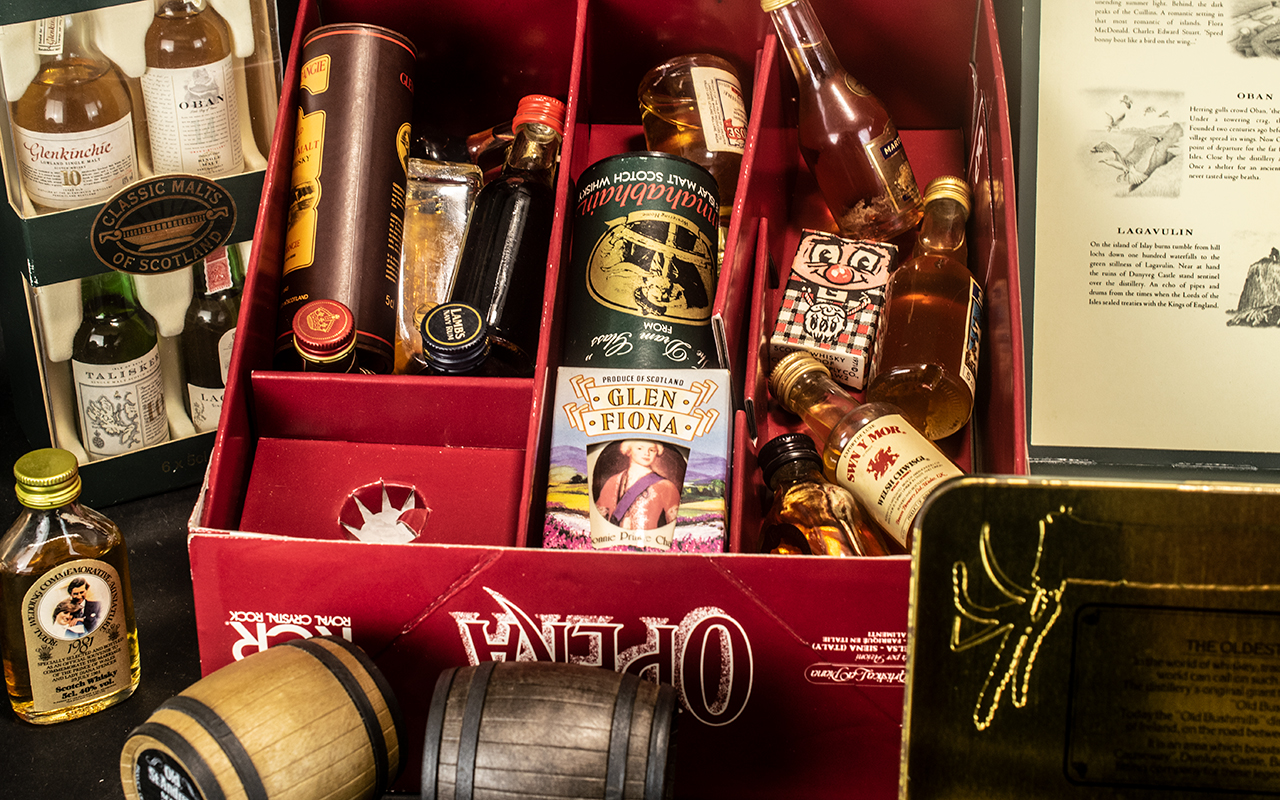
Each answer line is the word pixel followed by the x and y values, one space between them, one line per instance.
pixel 70 644
pixel 870 449
pixel 926 359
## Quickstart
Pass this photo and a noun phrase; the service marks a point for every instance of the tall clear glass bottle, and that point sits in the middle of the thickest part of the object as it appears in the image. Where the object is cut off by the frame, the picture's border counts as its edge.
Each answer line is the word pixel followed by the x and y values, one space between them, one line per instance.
pixel 868 448
pixel 209 333
pixel 70 643
pixel 846 136
pixel 189 88
pixel 501 270
pixel 115 365
pixel 810 515
pixel 73 126
pixel 926 353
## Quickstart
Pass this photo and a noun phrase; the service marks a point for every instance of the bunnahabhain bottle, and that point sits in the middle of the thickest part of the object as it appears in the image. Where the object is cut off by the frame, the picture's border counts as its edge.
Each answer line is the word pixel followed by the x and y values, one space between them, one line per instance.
pixel 70 644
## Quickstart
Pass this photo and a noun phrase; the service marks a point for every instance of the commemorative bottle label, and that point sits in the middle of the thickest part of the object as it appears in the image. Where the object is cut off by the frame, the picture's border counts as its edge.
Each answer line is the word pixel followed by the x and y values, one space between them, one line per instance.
pixel 76 635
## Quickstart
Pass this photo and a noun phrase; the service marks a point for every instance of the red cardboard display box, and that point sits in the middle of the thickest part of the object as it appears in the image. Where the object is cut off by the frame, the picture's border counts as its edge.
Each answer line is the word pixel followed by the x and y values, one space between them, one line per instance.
pixel 790 671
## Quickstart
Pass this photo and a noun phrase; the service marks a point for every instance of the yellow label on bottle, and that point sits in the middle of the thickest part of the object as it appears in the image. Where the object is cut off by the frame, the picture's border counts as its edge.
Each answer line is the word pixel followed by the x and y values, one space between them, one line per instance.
pixel 315 75
pixel 76 635
pixel 308 160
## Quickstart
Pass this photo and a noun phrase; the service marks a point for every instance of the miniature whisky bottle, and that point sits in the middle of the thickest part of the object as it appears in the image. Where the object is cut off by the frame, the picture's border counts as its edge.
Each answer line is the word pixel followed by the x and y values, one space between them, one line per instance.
pixel 209 333
pixel 926 356
pixel 810 515
pixel 870 448
pixel 115 364
pixel 70 644
pixel 189 89
pixel 846 136
pixel 501 270
pixel 73 126
pixel 324 337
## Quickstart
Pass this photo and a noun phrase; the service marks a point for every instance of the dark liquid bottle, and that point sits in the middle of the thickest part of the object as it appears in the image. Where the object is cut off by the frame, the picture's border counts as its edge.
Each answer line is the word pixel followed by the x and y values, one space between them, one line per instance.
pixel 115 363
pixel 502 268
pixel 324 337
pixel 209 333
pixel 926 357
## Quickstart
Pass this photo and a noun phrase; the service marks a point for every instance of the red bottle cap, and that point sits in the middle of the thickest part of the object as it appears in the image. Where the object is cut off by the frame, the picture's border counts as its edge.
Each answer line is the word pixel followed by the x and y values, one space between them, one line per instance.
pixel 540 108
pixel 323 330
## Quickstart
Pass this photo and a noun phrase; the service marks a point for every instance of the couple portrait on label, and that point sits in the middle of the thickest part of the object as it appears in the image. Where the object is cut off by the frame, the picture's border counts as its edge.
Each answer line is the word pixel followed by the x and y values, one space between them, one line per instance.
pixel 73 608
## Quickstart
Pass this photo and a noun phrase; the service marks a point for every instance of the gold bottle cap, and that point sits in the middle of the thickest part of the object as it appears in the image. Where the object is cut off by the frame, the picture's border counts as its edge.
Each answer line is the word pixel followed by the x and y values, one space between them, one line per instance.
pixel 951 187
pixel 47 478
pixel 790 369
pixel 774 5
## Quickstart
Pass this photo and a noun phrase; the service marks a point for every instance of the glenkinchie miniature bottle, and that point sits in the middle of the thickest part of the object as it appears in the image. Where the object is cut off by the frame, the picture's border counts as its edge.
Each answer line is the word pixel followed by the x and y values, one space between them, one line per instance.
pixel 868 448
pixel 115 365
pixel 189 88
pixel 846 136
pixel 810 515
pixel 209 333
pixel 926 358
pixel 324 337
pixel 73 126
pixel 70 644
pixel 501 271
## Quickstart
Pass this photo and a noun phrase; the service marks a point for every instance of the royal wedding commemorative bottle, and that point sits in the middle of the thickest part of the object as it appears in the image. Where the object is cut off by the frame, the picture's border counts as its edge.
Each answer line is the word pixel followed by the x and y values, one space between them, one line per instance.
pixel 810 515
pixel 209 333
pixel 189 91
pixel 846 136
pixel 324 337
pixel 73 126
pixel 868 448
pixel 501 270
pixel 115 365
pixel 926 353
pixel 70 643
pixel 692 106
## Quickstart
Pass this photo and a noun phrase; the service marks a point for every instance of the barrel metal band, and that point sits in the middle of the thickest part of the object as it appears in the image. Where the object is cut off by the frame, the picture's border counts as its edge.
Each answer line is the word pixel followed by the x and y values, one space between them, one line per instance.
pixel 661 733
pixel 615 781
pixel 469 738
pixel 214 725
pixel 435 733
pixel 359 699
pixel 195 765
pixel 384 688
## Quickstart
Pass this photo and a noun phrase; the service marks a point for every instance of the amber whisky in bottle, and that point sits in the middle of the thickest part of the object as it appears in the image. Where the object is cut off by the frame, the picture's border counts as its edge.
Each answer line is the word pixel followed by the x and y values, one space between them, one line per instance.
pixel 810 515
pixel 926 354
pixel 209 333
pixel 115 364
pixel 846 136
pixel 73 126
pixel 868 448
pixel 70 643
pixel 189 88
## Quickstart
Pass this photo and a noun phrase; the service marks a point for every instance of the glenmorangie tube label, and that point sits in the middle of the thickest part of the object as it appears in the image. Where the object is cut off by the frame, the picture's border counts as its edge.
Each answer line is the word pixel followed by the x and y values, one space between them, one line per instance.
pixel 77 641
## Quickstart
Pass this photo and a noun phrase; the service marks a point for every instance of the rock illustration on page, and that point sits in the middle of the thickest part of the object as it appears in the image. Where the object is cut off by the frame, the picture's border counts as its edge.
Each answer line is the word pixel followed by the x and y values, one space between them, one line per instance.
pixel 1259 305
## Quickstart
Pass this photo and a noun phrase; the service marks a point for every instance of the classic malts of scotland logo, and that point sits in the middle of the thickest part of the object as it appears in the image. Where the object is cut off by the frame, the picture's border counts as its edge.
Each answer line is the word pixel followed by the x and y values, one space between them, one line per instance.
pixel 654 264
pixel 640 406
pixel 163 224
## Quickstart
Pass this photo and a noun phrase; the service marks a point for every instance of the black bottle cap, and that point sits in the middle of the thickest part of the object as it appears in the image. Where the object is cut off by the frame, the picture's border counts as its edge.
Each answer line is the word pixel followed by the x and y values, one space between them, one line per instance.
pixel 455 338
pixel 784 449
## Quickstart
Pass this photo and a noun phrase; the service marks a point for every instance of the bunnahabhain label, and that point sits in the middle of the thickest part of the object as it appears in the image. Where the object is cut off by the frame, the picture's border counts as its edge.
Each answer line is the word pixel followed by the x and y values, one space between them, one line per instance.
pixel 886 154
pixel 643 265
pixel 891 468
pixel 76 640
pixel 163 224
pixel 121 405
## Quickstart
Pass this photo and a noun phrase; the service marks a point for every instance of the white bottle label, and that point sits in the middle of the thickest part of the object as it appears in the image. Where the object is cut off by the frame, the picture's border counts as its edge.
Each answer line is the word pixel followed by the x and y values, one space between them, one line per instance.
pixel 121 405
pixel 969 359
pixel 891 468
pixel 722 109
pixel 206 406
pixel 68 170
pixel 77 642
pixel 226 344
pixel 49 33
pixel 194 119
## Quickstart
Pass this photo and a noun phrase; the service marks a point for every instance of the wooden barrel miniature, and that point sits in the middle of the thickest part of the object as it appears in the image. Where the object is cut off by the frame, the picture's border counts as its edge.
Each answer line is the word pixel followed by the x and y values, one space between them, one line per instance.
pixel 308 719
pixel 513 729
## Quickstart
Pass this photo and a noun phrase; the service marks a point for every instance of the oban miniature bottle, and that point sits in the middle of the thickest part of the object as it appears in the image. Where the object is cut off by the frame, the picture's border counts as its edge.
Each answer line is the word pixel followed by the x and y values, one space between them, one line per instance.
pixel 501 270
pixel 810 515
pixel 74 123
pixel 70 644
pixel 926 354
pixel 115 363
pixel 870 449
pixel 846 136
pixel 209 333
pixel 324 337
pixel 189 88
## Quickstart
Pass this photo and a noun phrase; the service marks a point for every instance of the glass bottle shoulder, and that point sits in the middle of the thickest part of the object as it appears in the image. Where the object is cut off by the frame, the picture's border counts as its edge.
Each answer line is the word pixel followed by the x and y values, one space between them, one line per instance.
pixel 41 539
